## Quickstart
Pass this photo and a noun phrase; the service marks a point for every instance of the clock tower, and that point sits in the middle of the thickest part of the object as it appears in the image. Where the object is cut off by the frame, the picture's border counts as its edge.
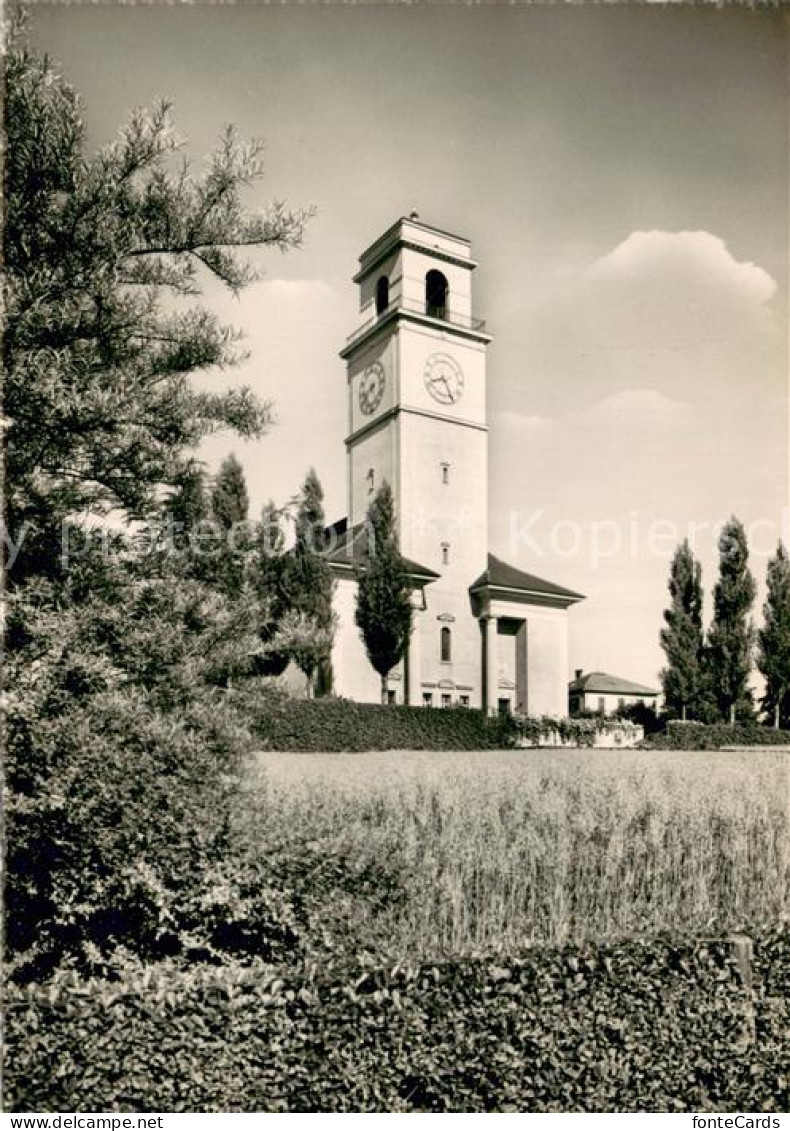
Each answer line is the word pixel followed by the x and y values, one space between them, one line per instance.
pixel 485 633
pixel 416 372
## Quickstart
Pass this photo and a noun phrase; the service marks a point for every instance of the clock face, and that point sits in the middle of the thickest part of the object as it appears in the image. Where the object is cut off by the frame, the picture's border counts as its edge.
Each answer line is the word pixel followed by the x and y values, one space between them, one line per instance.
pixel 443 378
pixel 371 388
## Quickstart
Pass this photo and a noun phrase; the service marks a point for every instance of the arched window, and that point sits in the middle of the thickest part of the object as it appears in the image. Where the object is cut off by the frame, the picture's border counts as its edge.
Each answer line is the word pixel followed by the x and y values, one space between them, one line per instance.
pixel 382 294
pixel 447 645
pixel 436 294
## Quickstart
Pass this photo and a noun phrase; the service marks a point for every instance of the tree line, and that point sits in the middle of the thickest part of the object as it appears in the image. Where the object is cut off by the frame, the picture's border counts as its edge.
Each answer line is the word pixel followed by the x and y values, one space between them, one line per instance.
pixel 707 674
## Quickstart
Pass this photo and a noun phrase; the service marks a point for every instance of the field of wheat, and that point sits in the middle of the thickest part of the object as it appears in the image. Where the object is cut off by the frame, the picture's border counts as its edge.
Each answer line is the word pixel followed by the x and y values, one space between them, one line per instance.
pixel 445 853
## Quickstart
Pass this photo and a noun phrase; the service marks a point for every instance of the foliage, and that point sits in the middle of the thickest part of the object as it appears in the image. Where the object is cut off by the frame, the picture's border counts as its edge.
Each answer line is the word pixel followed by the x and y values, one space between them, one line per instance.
pixel 309 580
pixel 122 773
pixel 229 509
pixel 682 638
pixel 96 362
pixel 773 657
pixel 731 635
pixel 713 736
pixel 496 849
pixel 644 716
pixel 546 730
pixel 185 510
pixel 269 579
pixel 383 612
pixel 339 724
pixel 651 1026
pixel 122 766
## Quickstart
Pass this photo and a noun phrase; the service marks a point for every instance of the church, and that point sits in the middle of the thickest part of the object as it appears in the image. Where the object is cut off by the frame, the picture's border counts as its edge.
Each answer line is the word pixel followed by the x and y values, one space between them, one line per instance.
pixel 486 634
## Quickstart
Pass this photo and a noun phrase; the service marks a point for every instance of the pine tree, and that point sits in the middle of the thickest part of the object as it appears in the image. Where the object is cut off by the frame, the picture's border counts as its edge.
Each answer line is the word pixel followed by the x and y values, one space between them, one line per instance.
pixel 309 582
pixel 384 612
pixel 731 636
pixel 682 638
pixel 96 354
pixel 773 656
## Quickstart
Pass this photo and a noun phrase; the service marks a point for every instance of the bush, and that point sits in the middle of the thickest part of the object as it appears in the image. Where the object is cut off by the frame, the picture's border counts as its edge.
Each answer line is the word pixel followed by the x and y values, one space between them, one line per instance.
pixel 637 1027
pixel 701 736
pixel 576 731
pixel 120 807
pixel 119 832
pixel 334 724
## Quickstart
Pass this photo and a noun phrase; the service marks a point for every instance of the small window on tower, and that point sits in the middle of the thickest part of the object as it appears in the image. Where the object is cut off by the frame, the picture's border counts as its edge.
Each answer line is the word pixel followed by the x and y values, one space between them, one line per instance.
pixel 446 645
pixel 382 294
pixel 445 553
pixel 445 472
pixel 447 701
pixel 391 698
pixel 371 481
pixel 427 698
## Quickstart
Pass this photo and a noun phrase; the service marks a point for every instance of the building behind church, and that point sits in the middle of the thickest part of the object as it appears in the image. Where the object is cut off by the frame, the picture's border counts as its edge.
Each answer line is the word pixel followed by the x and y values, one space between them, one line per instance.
pixel 486 634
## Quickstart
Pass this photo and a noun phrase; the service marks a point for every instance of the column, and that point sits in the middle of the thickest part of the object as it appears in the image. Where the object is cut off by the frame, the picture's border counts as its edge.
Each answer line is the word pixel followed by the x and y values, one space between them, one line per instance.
pixel 490 664
pixel 412 692
pixel 521 668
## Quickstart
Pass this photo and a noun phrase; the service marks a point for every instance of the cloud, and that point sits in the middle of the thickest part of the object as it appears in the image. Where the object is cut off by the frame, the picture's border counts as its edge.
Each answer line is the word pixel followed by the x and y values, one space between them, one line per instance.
pixel 689 259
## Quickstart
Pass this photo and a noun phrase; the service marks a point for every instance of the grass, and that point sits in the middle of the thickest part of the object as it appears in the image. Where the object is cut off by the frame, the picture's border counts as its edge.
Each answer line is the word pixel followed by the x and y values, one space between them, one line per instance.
pixel 427 854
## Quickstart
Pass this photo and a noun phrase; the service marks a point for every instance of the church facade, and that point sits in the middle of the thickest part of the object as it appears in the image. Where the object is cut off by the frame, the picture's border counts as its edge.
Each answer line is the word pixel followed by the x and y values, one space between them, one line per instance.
pixel 485 634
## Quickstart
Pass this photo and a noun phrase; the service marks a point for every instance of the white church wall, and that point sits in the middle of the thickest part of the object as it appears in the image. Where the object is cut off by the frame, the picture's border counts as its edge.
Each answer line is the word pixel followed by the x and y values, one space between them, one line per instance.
pixel 376 453
pixel 352 675
pixel 547 662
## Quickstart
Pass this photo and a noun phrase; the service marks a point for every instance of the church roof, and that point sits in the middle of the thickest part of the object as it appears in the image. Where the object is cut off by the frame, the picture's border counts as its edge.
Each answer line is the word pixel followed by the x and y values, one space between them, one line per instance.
pixel 611 684
pixel 502 575
pixel 349 550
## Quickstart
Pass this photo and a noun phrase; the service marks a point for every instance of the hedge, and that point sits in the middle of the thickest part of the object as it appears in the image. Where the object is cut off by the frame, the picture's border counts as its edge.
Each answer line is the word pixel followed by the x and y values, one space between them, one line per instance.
pixel 700 736
pixel 642 1026
pixel 335 724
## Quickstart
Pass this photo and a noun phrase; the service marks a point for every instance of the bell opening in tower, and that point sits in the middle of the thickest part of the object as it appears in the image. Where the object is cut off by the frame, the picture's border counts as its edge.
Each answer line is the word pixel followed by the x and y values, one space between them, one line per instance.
pixel 436 294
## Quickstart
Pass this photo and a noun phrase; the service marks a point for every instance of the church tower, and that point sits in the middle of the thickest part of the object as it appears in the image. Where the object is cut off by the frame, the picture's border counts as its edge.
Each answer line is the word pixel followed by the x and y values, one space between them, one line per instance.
pixel 416 372
pixel 485 633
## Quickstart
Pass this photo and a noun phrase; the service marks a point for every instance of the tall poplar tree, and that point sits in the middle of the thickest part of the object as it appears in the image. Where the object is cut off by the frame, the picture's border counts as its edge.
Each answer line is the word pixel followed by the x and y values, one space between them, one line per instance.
pixel 682 637
pixel 731 636
pixel 773 653
pixel 384 612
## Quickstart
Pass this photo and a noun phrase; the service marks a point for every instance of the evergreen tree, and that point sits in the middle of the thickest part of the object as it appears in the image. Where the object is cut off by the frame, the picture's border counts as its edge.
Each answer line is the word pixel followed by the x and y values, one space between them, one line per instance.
pixel 682 638
pixel 773 656
pixel 269 579
pixel 97 393
pixel 384 612
pixel 187 506
pixel 229 499
pixel 731 636
pixel 229 510
pixel 309 581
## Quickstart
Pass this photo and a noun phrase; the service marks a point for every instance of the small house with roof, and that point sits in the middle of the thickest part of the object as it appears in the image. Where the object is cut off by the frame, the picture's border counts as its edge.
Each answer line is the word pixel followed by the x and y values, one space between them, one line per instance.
pixel 486 633
pixel 604 693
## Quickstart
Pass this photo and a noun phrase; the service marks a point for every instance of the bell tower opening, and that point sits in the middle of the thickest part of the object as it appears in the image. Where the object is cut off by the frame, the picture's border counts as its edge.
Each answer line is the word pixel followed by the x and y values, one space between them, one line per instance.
pixel 436 294
pixel 382 294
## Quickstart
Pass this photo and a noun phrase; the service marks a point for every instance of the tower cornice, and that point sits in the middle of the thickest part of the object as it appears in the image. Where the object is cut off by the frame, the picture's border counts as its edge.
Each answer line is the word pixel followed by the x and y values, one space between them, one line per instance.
pixel 409 410
pixel 397 313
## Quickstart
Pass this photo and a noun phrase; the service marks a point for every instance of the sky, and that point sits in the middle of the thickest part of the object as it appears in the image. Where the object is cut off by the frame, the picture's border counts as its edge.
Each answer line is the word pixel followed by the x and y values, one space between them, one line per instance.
pixel 622 173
